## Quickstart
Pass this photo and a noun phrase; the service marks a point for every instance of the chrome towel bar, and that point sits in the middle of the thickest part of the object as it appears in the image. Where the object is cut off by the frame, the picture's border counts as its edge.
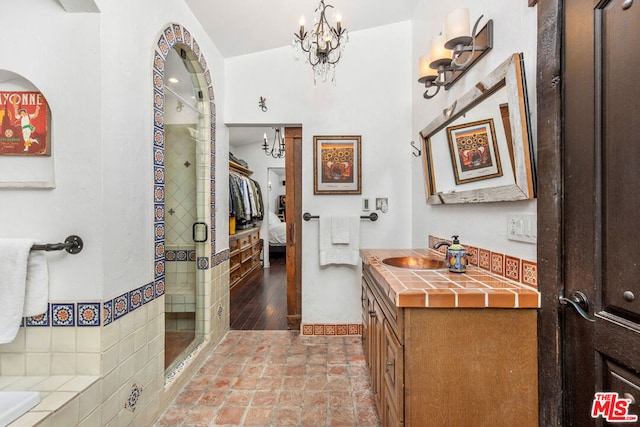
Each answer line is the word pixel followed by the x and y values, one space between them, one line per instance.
pixel 372 216
pixel 72 244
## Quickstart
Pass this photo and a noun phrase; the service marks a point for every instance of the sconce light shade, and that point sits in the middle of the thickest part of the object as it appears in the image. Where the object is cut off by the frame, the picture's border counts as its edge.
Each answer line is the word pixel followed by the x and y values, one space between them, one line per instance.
pixel 457 28
pixel 440 56
pixel 425 70
pixel 454 51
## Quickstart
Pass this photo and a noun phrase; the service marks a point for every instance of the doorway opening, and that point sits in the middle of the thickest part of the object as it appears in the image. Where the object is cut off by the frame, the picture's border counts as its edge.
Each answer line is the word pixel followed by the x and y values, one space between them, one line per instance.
pixel 261 301
pixel 186 157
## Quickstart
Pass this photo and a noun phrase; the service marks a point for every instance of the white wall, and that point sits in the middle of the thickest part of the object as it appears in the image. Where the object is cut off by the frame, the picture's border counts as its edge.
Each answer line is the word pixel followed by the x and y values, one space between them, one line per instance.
pixel 41 42
pixel 277 190
pixel 482 225
pixel 96 73
pixel 371 98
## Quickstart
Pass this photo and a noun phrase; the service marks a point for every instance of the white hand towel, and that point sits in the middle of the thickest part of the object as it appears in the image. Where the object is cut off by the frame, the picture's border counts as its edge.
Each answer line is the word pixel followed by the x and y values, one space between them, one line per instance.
pixel 37 292
pixel 340 230
pixel 14 263
pixel 339 253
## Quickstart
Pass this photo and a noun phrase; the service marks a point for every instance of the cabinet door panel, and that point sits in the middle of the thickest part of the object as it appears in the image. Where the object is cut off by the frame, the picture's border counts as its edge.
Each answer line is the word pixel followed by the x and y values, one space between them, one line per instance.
pixel 393 367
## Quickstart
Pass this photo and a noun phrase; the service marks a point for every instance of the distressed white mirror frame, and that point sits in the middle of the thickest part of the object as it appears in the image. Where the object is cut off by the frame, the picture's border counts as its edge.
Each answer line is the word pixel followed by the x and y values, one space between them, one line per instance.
pixel 509 74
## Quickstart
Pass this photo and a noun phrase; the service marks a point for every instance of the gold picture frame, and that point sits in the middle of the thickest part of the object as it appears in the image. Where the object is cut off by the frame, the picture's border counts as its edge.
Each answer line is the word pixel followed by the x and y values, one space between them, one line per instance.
pixel 474 151
pixel 337 165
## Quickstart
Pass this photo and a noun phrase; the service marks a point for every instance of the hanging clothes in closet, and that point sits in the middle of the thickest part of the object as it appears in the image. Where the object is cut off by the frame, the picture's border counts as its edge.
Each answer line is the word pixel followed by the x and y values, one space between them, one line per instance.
pixel 245 199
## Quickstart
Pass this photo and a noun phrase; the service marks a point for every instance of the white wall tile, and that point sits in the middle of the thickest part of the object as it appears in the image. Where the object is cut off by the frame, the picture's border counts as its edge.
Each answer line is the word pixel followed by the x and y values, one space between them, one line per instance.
pixel 110 384
pixel 63 364
pixel 63 339
pixel 110 359
pixel 17 345
pixel 110 409
pixel 66 415
pixel 38 364
pixel 110 335
pixel 88 339
pixel 92 420
pixel 38 339
pixel 88 363
pixel 13 364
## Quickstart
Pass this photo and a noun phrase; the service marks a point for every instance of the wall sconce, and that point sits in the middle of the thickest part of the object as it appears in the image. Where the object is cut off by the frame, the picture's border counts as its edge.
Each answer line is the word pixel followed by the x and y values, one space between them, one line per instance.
pixel 454 51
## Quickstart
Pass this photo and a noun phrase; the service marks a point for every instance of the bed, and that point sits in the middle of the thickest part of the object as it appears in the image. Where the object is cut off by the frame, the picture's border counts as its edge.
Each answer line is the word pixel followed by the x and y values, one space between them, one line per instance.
pixel 277 234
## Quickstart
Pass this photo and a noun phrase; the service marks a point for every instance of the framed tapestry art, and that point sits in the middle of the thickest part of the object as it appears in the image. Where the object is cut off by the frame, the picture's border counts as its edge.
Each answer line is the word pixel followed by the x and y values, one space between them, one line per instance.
pixel 336 165
pixel 474 151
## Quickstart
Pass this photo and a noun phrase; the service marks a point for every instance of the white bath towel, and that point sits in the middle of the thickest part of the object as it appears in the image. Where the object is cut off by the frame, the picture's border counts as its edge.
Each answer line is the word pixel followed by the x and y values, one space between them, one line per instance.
pixel 340 253
pixel 24 285
pixel 340 230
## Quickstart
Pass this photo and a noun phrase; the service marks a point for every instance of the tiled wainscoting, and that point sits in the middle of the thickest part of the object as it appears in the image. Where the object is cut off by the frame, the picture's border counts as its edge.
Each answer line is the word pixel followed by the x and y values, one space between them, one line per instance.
pixel 520 270
pixel 111 374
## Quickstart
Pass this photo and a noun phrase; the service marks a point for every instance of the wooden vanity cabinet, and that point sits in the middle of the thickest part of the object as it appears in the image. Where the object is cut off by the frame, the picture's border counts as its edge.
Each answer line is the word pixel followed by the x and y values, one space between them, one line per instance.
pixel 449 366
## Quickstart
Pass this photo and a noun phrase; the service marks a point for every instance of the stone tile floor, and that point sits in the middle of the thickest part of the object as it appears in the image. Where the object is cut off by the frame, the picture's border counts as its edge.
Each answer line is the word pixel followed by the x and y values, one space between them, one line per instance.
pixel 278 378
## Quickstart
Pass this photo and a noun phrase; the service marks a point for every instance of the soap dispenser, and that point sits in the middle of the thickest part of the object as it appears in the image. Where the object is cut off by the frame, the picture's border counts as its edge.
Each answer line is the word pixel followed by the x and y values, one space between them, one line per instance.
pixel 457 257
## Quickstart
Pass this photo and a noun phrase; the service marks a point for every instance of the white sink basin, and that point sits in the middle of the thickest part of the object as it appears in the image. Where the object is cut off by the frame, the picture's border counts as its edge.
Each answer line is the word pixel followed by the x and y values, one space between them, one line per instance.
pixel 14 404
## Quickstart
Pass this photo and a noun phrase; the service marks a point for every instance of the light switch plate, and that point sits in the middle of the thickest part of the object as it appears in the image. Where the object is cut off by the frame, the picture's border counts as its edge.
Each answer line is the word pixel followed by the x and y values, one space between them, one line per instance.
pixel 365 204
pixel 522 227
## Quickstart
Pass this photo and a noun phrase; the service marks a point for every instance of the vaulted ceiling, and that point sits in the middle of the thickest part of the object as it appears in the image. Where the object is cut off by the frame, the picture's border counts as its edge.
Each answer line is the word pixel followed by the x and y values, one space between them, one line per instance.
pixel 239 27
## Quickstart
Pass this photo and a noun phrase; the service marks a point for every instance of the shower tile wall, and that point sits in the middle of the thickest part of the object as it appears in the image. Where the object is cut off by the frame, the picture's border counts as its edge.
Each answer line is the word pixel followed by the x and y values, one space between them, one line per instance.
pixel 180 210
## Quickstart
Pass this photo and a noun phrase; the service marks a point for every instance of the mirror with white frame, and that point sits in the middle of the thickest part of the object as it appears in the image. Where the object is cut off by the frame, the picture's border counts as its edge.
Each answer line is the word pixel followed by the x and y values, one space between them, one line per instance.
pixel 480 148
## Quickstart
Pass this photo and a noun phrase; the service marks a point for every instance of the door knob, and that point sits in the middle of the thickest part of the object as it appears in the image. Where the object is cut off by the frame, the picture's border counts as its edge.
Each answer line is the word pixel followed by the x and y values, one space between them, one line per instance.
pixel 628 296
pixel 579 301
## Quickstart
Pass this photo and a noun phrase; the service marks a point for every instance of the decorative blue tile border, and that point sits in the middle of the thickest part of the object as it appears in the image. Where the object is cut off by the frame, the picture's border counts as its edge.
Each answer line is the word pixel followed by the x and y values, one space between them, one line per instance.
pixel 107 312
pixel 120 306
pixel 135 299
pixel 41 319
pixel 63 314
pixel 88 314
pixel 180 255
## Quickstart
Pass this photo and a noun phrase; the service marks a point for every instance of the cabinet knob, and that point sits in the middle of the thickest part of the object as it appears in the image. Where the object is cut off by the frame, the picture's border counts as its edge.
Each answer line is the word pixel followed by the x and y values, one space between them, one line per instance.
pixel 628 296
pixel 630 397
pixel 388 364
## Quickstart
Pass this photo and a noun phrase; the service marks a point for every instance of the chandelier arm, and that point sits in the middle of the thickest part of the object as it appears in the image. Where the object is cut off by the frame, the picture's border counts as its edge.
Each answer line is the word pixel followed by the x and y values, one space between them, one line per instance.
pixel 336 61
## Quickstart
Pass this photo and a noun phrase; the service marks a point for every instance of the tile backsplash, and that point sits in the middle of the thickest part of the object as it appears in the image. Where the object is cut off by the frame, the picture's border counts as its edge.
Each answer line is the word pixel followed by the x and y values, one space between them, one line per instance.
pixel 510 267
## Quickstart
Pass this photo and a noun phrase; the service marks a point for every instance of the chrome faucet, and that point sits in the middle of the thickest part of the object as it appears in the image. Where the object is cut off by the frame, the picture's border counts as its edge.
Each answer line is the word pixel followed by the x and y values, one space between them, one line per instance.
pixel 442 243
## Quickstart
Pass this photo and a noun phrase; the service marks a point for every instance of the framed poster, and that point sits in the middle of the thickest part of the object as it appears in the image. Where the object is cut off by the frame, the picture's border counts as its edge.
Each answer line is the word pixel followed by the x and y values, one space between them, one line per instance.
pixel 474 151
pixel 336 165
pixel 24 124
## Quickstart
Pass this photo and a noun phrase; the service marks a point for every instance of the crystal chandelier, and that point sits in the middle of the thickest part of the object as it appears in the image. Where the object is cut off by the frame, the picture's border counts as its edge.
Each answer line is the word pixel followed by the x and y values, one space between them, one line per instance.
pixel 277 146
pixel 323 46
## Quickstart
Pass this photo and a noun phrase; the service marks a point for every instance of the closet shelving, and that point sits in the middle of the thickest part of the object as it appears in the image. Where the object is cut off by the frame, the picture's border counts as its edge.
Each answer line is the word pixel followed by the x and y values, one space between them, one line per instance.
pixel 244 247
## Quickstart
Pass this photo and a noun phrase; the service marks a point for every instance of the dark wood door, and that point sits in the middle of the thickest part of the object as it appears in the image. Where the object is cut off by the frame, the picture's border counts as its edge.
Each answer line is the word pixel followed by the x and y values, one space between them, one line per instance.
pixel 600 206
pixel 293 219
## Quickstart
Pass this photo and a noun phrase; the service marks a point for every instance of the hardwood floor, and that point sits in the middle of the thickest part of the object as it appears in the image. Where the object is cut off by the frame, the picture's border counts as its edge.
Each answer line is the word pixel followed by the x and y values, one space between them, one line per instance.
pixel 261 304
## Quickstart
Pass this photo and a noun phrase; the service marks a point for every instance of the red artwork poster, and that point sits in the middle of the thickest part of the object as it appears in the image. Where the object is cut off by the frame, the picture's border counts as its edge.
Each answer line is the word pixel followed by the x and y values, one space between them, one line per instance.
pixel 24 124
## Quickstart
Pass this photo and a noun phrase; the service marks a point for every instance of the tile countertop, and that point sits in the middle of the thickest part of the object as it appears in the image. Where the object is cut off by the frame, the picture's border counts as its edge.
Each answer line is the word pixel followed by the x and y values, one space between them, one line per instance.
pixel 477 288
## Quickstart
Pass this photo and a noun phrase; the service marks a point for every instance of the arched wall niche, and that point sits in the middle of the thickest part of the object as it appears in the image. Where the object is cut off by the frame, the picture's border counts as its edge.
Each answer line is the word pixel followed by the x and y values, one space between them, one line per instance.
pixel 24 164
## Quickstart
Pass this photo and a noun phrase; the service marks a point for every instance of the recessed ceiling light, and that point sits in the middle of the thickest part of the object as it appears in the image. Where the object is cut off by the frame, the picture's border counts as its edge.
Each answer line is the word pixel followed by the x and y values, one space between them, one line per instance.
pixel 173 80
